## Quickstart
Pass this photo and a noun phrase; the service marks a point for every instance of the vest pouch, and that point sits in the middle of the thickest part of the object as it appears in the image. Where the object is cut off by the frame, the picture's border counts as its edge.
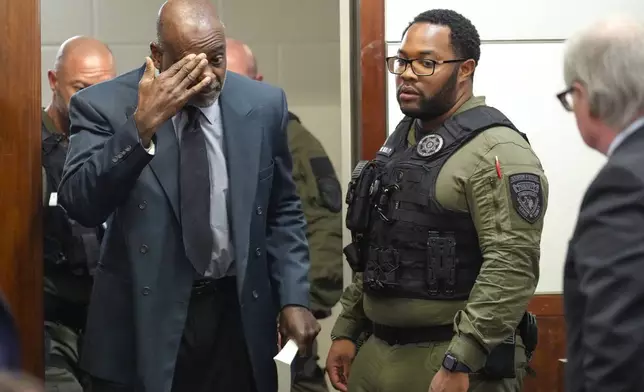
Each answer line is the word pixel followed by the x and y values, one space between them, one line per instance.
pixel 355 256
pixel 381 269
pixel 441 263
pixel 359 197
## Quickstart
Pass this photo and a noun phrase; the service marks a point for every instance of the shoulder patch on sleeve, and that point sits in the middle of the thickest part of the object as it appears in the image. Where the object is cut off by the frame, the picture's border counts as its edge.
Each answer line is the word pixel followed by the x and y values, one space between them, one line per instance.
pixel 526 193
pixel 328 184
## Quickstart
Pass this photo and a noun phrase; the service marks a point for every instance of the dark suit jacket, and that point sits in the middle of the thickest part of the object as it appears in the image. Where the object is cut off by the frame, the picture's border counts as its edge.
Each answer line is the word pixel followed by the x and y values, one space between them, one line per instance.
pixel 604 278
pixel 143 280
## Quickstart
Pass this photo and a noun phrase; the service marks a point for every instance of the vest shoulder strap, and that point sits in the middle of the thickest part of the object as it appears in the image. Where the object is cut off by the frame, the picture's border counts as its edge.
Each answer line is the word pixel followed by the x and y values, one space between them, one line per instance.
pixel 479 119
pixel 397 139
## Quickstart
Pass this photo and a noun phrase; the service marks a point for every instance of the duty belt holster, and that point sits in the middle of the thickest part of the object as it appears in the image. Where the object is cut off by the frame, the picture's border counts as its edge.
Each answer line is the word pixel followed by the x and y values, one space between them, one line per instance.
pixel 529 332
pixel 500 362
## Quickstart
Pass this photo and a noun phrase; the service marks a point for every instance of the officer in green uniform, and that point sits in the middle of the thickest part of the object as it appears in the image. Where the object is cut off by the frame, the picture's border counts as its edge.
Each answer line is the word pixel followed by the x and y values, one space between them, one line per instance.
pixel 69 249
pixel 321 195
pixel 446 224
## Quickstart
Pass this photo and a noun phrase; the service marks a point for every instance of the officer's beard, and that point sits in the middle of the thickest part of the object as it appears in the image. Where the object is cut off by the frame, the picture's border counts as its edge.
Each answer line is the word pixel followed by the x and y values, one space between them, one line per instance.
pixel 430 108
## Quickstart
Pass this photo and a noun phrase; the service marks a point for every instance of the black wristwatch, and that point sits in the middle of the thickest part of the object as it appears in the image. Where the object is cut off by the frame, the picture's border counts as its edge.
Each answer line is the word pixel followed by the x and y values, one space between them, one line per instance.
pixel 452 364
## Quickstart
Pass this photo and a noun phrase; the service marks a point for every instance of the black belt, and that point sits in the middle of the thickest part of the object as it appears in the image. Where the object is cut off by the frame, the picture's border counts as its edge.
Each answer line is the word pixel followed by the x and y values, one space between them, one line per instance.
pixel 209 285
pixel 410 335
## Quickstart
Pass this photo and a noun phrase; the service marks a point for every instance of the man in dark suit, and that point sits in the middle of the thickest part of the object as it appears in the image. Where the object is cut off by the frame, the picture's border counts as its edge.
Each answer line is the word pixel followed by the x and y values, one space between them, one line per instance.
pixel 604 271
pixel 205 239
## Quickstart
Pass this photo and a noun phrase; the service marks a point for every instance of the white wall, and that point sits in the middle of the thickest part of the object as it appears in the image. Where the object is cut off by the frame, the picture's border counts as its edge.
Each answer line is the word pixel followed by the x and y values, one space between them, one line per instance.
pixel 520 72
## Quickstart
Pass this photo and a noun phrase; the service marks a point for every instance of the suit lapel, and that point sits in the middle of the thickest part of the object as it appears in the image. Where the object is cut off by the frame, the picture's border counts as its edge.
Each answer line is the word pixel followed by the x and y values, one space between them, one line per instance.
pixel 243 138
pixel 165 164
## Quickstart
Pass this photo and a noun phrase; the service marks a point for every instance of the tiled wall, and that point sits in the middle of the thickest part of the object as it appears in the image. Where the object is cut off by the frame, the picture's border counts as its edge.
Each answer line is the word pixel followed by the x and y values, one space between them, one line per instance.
pixel 296 42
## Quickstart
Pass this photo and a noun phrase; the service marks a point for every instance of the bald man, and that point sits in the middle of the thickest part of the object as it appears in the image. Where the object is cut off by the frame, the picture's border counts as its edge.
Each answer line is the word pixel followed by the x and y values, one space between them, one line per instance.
pixel 205 243
pixel 70 251
pixel 321 194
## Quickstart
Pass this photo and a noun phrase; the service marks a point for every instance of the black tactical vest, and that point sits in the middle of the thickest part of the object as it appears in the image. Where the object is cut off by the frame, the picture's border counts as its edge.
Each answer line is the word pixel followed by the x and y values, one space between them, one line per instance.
pixel 413 247
pixel 69 250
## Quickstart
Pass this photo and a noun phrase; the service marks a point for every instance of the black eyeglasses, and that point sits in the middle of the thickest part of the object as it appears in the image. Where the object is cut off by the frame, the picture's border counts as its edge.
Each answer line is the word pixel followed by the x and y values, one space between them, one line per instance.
pixel 565 97
pixel 420 67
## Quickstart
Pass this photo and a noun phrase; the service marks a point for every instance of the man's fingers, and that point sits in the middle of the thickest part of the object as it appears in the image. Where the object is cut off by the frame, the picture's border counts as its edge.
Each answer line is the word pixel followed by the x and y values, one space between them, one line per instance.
pixel 336 379
pixel 346 369
pixel 149 69
pixel 187 68
pixel 199 86
pixel 179 65
pixel 283 331
pixel 194 75
pixel 303 348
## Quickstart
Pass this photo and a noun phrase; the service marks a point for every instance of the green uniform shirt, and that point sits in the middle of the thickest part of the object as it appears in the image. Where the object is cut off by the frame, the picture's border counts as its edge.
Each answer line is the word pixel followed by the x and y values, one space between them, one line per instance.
pixel 318 188
pixel 510 245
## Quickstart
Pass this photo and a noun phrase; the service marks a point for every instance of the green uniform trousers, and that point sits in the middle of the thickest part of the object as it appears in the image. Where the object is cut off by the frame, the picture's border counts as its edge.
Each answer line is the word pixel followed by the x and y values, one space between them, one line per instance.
pixel 309 376
pixel 63 360
pixel 379 367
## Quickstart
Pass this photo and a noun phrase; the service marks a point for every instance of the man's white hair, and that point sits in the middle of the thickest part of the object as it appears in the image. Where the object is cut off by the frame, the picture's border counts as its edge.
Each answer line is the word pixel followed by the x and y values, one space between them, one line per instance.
pixel 608 59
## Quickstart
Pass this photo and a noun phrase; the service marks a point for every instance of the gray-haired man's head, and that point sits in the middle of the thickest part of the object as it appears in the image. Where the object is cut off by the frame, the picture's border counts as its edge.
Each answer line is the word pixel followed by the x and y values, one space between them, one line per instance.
pixel 604 69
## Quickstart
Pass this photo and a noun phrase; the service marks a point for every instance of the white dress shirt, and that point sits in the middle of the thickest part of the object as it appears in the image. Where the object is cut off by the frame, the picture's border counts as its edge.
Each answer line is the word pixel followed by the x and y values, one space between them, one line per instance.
pixel 210 120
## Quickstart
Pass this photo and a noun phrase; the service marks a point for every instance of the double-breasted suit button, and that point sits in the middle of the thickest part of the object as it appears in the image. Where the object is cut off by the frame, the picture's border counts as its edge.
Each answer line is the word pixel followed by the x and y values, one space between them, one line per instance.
pixel 142 205
pixel 255 294
pixel 258 252
pixel 259 210
pixel 143 249
pixel 145 291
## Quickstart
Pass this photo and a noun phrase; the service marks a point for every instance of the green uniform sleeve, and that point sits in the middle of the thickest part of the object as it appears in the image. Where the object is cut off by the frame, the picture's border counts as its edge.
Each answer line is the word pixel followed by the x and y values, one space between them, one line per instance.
pixel 508 215
pixel 352 321
pixel 321 195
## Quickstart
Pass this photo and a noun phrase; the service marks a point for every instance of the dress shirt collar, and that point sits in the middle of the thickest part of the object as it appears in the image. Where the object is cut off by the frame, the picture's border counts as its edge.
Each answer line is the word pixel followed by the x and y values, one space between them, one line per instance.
pixel 211 112
pixel 619 139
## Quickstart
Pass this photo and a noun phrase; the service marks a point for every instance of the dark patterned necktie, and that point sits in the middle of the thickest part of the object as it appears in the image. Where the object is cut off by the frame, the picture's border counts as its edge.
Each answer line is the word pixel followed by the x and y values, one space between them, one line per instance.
pixel 194 180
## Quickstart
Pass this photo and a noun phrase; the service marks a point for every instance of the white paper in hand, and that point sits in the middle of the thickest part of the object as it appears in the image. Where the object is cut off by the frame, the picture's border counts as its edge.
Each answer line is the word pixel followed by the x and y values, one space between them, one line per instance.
pixel 283 361
pixel 53 199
